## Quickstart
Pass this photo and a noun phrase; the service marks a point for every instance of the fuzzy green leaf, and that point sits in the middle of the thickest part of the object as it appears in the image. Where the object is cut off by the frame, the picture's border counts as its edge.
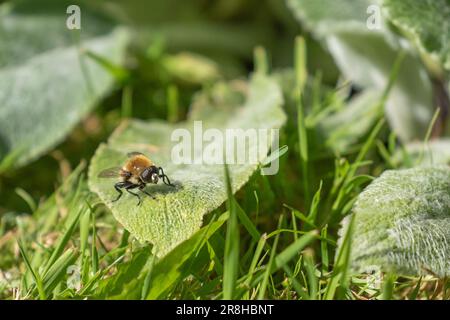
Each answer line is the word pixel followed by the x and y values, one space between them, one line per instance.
pixel 327 16
pixel 424 154
pixel 362 111
pixel 46 83
pixel 402 223
pixel 427 21
pixel 176 213
pixel 367 57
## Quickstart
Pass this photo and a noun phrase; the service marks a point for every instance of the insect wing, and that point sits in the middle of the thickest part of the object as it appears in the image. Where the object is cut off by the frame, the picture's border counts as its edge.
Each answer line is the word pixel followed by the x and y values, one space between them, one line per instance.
pixel 110 173
pixel 134 153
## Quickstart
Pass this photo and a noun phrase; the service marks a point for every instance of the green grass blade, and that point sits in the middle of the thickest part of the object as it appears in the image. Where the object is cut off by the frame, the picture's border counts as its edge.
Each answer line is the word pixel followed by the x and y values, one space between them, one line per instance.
pixel 246 222
pixel 297 286
pixel 261 61
pixel 37 279
pixel 148 278
pixel 388 287
pixel 301 73
pixel 293 250
pixel 315 205
pixel 294 225
pixel 267 273
pixel 313 282
pixel 27 198
pixel 415 292
pixel 127 102
pixel 85 221
pixel 300 80
pixel 428 135
pixel 339 276
pixel 94 252
pixel 231 256
pixel 58 270
pixel 121 74
pixel 172 104
pixel 324 250
pixel 253 264
pixel 63 242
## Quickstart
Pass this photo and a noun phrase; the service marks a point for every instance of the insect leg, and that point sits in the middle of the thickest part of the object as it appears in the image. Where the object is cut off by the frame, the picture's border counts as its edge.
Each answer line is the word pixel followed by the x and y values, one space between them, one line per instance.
pixel 133 186
pixel 141 188
pixel 118 186
pixel 164 177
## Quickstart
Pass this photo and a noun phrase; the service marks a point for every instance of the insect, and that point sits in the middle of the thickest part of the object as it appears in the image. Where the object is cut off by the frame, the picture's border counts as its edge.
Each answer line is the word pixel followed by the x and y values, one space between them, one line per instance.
pixel 137 171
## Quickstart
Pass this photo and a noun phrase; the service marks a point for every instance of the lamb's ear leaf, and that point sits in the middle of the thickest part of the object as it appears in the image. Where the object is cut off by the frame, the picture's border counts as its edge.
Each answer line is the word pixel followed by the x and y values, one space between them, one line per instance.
pixel 367 56
pixel 435 152
pixel 427 22
pixel 402 223
pixel 47 83
pixel 177 212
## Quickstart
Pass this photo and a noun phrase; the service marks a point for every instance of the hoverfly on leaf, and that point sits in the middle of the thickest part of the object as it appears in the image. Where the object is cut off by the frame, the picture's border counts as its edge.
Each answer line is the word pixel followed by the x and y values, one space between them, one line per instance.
pixel 136 173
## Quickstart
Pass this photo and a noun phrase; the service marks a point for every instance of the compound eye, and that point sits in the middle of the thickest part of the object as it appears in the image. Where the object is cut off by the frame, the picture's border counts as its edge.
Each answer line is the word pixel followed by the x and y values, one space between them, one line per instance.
pixel 155 178
pixel 145 175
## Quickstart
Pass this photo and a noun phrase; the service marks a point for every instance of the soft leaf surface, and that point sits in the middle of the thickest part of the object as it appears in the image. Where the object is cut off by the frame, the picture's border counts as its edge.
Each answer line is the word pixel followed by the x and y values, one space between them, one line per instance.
pixel 427 21
pixel 424 154
pixel 367 57
pixel 402 223
pixel 362 111
pixel 47 84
